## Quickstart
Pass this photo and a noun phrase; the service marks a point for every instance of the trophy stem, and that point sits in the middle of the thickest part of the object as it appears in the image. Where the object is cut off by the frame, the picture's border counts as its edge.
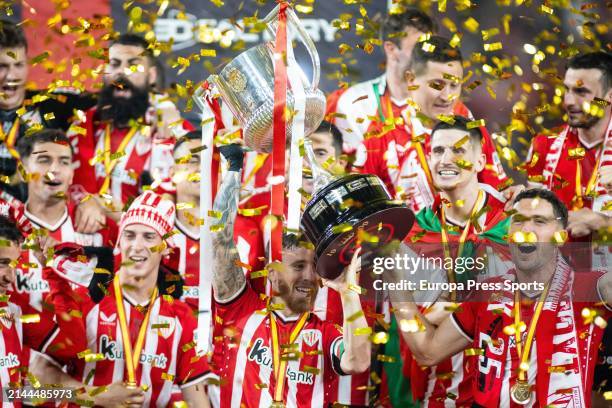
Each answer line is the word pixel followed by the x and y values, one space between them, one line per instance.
pixel 321 177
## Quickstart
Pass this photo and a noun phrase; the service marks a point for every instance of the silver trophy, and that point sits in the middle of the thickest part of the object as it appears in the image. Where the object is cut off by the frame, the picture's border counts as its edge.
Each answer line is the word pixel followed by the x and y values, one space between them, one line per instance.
pixel 246 85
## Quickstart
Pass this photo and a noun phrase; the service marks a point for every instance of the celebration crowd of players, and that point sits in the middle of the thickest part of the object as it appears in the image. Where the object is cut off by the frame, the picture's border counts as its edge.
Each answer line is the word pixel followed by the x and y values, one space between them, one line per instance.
pixel 100 264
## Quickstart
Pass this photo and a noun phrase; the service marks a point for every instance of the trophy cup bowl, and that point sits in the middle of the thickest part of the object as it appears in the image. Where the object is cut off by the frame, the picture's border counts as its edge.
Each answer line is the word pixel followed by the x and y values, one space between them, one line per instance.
pixel 371 209
pixel 246 85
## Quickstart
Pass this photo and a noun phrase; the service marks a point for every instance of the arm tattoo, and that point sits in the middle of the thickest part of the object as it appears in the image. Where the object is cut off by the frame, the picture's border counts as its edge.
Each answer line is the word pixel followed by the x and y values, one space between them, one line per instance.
pixel 228 277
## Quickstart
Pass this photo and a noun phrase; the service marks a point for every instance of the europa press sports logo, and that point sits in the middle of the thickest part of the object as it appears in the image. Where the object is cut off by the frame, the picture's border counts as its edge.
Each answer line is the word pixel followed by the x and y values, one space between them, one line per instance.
pixel 187 30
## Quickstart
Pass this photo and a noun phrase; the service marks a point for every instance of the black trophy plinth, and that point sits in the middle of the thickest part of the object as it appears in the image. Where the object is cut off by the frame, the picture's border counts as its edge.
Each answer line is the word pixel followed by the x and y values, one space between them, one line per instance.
pixel 360 201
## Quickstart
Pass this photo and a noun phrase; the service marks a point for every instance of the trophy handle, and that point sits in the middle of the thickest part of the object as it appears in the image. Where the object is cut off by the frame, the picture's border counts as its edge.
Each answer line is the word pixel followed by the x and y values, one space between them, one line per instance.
pixel 271 21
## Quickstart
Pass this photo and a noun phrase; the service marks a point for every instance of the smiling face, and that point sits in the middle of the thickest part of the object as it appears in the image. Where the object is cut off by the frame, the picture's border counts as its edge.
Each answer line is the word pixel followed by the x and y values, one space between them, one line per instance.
pixel 448 150
pixel 141 253
pixel 50 166
pixel 188 166
pixel 582 86
pixel 13 77
pixel 437 87
pixel 8 254
pixel 534 215
pixel 295 280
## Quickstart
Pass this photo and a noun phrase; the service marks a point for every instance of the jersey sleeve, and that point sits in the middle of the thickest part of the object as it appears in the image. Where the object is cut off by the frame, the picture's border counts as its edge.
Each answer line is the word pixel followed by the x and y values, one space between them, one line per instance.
pixel 191 368
pixel 464 319
pixel 333 346
pixel 243 303
pixel 536 159
pixel 69 308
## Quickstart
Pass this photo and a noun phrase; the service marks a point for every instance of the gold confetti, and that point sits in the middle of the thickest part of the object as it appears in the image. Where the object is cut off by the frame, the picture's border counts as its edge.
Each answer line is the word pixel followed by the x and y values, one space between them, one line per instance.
pixel 380 337
pixel 476 123
pixel 98 390
pixel 464 164
pixel 30 318
pixel 471 24
pixel 493 46
pixel 341 228
pixel 385 359
pixel 312 370
pixel 576 153
pixel 91 357
pixel 355 316
pixel 474 352
pixel 167 377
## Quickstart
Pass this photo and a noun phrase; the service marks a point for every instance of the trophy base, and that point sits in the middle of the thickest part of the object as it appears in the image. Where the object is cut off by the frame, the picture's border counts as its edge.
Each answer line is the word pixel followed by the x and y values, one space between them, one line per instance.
pixel 335 215
pixel 388 224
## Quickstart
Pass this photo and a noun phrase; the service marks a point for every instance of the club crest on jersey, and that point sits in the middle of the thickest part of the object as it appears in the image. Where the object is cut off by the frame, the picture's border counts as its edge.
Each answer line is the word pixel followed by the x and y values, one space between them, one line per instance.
pixel 311 337
pixel 6 318
pixel 108 320
pixel 164 326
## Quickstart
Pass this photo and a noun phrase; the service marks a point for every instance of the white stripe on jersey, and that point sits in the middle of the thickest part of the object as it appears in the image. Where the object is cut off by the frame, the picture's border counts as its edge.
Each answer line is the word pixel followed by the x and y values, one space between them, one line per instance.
pixel 250 327
pixel 318 391
pixel 457 378
pixel 150 349
pixel 92 334
pixel 5 379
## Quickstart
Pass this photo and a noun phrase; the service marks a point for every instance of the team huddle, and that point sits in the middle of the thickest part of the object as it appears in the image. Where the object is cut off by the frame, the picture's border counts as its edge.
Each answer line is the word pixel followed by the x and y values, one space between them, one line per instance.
pixel 100 268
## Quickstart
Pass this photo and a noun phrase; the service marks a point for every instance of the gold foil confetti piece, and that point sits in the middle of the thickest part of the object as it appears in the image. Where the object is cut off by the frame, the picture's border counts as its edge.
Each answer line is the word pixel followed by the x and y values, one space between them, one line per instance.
pixel 496 46
pixel 355 316
pixel 167 377
pixel 380 337
pixel 385 358
pixel 464 164
pixel 576 153
pixel 98 390
pixel 30 318
pixel 474 352
pixel 311 370
pixel 357 289
pixel 259 274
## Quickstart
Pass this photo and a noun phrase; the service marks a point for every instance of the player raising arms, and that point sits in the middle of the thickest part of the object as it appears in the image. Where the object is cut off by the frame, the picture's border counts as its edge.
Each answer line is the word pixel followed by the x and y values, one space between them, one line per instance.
pixel 277 351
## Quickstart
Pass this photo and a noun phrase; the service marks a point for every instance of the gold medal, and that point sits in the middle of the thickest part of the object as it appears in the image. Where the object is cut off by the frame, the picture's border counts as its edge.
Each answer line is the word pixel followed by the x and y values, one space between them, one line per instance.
pixel 521 392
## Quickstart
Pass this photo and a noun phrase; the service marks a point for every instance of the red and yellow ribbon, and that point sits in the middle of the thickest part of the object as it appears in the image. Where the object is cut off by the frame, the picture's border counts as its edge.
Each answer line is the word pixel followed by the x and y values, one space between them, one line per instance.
pixel 109 164
pixel 132 355
pixel 280 366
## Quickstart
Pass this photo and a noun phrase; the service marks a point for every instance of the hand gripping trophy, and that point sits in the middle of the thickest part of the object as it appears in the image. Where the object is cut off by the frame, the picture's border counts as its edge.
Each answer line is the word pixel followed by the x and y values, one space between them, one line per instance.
pixel 265 80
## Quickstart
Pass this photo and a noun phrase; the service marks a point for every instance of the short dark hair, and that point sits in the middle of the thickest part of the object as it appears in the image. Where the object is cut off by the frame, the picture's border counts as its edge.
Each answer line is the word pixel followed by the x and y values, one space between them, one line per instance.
pixel 393 26
pixel 559 209
pixel 327 127
pixel 135 40
pixel 460 123
pixel 12 35
pixel 9 230
pixel 25 145
pixel 193 135
pixel 423 53
pixel 600 60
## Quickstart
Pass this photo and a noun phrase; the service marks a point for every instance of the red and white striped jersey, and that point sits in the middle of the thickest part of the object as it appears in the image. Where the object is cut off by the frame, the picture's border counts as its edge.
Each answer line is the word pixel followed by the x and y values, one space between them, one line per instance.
pixel 168 355
pixel 356 111
pixel 247 378
pixel 16 336
pixel 29 281
pixel 394 158
pixel 143 153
